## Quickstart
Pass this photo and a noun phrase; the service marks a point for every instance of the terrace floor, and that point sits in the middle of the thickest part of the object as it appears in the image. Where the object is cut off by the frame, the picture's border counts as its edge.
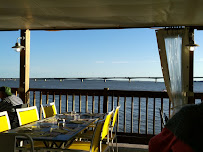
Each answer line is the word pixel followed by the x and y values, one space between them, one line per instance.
pixel 123 147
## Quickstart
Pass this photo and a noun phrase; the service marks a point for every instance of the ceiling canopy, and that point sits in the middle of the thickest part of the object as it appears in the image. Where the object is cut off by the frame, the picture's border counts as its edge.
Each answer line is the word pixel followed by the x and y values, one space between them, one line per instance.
pixel 96 14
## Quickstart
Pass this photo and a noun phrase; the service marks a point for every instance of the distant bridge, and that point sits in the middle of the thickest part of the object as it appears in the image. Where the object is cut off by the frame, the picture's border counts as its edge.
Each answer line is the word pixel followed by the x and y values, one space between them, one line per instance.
pixel 86 78
pixel 90 78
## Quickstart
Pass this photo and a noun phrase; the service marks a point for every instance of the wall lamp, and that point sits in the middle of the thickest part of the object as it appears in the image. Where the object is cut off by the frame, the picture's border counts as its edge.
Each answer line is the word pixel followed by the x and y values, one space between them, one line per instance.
pixel 18 47
pixel 192 46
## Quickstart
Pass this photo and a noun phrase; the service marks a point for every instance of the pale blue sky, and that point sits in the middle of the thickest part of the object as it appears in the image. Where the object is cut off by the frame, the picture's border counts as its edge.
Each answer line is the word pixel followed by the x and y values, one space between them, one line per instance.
pixel 89 53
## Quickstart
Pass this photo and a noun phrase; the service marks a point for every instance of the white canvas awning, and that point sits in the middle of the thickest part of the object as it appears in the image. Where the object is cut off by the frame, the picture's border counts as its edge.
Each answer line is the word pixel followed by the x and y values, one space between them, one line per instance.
pixel 96 14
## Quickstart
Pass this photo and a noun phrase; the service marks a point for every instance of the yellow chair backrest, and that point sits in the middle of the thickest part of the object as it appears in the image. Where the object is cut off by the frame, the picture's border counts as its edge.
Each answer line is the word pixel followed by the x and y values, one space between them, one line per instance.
pixel 4 121
pixel 49 110
pixel 115 115
pixel 27 115
pixel 107 121
pixel 96 136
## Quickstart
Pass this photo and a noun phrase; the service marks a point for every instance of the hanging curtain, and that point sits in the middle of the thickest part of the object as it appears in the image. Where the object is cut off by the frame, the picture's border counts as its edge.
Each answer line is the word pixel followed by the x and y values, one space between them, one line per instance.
pixel 175 62
pixel 174 59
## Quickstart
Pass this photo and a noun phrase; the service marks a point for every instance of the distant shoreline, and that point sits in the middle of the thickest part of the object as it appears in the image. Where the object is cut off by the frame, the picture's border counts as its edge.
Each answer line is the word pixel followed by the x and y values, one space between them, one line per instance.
pixel 129 79
pixel 125 79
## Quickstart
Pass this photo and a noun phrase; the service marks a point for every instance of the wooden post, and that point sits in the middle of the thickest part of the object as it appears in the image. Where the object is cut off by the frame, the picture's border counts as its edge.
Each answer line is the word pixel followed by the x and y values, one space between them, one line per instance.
pixel 112 103
pixel 80 103
pixel 93 104
pixel 73 102
pixel 24 65
pixel 99 101
pixel 105 102
pixel 146 120
pixel 86 105
pixel 34 98
pixel 162 108
pixel 47 98
pixel 40 103
pixel 66 102
pixel 139 115
pixel 132 108
pixel 154 115
pixel 191 99
pixel 124 120
pixel 118 103
pixel 60 102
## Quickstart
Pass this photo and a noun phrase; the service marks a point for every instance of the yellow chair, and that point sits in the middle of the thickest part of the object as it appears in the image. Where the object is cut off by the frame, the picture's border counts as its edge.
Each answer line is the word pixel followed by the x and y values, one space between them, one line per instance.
pixel 49 110
pixel 112 135
pixel 85 146
pixel 4 121
pixel 95 145
pixel 27 115
pixel 8 142
pixel 105 129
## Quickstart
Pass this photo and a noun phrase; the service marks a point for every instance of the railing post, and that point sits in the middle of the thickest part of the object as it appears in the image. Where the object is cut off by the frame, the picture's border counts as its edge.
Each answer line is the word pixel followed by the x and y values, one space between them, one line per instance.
pixel 80 98
pixel 162 102
pixel 47 98
pixel 34 98
pixel 105 102
pixel 93 104
pixel 67 102
pixel 28 98
pixel 73 102
pixel 99 100
pixel 124 120
pixel 40 112
pixel 118 99
pixel 60 103
pixel 86 109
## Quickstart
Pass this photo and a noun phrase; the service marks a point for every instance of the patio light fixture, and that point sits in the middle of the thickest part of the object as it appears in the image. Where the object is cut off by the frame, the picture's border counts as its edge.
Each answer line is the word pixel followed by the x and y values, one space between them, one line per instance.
pixel 18 47
pixel 192 46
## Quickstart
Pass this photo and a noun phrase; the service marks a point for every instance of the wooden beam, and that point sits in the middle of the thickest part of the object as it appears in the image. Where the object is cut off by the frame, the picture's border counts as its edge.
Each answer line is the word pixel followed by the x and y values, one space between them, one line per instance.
pixel 191 99
pixel 24 65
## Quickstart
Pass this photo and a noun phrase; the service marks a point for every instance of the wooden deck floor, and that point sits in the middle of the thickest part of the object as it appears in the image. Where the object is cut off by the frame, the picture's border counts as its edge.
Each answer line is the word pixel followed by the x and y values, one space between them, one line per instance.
pixel 122 147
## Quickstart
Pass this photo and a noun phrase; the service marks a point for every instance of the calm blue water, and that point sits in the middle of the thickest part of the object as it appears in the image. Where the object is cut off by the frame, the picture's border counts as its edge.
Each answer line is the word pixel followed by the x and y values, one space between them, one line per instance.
pixel 112 85
pixel 90 84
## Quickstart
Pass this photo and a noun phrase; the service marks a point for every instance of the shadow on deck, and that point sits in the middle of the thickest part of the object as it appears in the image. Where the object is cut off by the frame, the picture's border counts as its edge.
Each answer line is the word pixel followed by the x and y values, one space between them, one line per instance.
pixel 123 147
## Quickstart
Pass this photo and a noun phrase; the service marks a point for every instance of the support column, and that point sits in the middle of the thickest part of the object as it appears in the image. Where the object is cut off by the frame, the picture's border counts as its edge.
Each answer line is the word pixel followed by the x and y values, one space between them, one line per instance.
pixel 25 66
pixel 191 99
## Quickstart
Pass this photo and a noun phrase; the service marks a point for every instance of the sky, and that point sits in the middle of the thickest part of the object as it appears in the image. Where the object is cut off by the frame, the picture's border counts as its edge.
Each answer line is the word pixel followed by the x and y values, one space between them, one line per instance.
pixel 89 53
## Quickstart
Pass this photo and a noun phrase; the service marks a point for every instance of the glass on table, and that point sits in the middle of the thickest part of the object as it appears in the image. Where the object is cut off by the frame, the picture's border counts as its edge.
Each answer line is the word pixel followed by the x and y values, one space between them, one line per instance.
pixel 61 122
pixel 73 112
pixel 76 117
pixel 89 111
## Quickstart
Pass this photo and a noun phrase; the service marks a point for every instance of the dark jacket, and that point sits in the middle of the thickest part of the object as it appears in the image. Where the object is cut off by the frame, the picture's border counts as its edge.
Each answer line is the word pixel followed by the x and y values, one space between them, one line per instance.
pixel 9 104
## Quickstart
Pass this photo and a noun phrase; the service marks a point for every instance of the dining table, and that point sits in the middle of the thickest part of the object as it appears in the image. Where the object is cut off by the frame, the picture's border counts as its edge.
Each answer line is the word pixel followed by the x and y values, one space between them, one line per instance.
pixel 60 130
